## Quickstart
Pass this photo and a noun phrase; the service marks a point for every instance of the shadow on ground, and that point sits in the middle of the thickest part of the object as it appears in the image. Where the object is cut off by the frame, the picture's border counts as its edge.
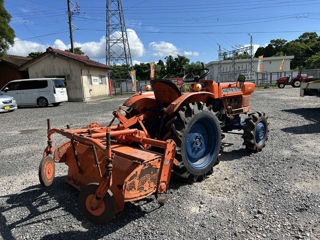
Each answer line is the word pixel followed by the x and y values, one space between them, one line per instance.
pixel 234 155
pixel 36 197
pixel 310 114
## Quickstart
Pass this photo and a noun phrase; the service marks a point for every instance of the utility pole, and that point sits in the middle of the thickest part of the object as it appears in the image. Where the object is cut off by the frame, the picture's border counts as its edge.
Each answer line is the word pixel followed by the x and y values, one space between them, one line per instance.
pixel 70 26
pixel 75 10
pixel 234 64
pixel 220 57
pixel 251 52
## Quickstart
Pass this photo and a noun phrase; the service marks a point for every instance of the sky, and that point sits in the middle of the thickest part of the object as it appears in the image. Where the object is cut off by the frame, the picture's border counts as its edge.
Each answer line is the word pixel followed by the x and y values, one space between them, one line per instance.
pixel 157 29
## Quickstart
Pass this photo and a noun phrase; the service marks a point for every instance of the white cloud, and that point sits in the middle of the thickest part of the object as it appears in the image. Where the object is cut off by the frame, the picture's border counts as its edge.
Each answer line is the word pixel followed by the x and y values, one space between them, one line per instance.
pixel 60 45
pixel 190 53
pixel 134 62
pixel 91 49
pixel 136 46
pixel 163 49
pixel 23 48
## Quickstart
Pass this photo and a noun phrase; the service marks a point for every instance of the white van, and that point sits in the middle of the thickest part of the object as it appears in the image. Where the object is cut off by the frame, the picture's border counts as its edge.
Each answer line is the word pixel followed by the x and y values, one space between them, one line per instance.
pixel 37 91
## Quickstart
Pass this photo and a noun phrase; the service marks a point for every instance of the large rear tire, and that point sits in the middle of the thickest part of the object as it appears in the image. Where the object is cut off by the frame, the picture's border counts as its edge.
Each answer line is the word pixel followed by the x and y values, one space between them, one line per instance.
pixel 197 133
pixel 296 84
pixel 255 132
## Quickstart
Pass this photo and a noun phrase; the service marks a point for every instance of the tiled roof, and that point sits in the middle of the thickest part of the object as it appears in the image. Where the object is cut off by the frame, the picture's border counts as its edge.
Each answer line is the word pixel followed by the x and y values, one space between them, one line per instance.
pixel 84 59
pixel 76 57
pixel 16 60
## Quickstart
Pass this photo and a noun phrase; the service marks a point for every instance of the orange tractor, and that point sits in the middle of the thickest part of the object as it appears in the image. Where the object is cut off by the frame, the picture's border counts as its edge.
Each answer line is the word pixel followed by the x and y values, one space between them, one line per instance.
pixel 160 131
pixel 195 120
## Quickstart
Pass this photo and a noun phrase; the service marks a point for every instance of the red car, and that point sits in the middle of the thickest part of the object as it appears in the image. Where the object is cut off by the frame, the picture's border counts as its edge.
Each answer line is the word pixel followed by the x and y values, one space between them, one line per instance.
pixel 294 82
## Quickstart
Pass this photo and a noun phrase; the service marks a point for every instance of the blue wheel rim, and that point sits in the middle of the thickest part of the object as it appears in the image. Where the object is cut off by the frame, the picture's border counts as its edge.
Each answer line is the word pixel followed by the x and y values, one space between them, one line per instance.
pixel 201 143
pixel 260 133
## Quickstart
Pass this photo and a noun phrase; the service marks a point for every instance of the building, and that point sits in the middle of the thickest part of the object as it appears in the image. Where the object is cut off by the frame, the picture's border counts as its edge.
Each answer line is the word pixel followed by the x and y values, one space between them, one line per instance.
pixel 9 68
pixel 85 79
pixel 228 70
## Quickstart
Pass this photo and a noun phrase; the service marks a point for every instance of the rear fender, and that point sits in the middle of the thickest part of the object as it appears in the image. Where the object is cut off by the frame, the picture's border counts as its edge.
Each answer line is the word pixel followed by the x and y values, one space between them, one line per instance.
pixel 188 98
pixel 140 101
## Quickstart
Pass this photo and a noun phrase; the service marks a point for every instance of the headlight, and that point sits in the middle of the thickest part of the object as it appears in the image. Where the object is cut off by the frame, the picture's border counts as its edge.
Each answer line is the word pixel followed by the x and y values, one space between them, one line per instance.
pixel 196 87
pixel 147 87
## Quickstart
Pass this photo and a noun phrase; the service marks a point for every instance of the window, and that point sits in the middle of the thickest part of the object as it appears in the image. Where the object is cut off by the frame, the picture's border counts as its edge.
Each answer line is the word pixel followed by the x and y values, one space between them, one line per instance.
pixel 89 79
pixel 59 83
pixel 13 86
pixel 34 84
pixel 102 80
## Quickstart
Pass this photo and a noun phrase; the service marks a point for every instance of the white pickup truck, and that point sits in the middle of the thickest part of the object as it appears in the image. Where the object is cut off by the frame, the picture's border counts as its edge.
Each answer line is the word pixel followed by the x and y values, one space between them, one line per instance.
pixel 311 87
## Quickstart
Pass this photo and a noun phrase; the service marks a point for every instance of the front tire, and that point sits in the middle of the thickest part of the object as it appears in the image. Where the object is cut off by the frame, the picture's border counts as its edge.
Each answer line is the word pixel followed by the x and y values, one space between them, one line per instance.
pixel 197 133
pixel 255 132
pixel 281 85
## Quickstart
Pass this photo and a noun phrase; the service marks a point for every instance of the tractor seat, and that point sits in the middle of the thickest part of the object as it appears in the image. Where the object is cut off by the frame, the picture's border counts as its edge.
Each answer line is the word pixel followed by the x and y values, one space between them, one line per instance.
pixel 165 91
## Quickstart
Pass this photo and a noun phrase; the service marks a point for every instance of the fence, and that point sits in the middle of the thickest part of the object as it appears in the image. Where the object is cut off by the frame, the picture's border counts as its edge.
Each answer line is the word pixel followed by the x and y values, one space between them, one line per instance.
pixel 266 78
pixel 124 86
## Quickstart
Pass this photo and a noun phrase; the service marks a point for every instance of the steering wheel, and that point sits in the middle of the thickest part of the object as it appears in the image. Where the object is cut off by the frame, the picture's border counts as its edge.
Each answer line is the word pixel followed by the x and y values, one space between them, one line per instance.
pixel 196 78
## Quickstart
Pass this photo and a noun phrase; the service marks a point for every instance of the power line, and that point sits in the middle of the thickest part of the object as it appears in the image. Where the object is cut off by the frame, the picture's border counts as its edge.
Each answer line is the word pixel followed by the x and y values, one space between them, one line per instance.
pixel 43 35
pixel 209 32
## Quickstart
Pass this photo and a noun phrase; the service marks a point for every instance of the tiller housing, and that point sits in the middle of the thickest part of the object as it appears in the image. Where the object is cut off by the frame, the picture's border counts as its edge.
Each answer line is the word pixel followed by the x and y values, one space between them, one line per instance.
pixel 109 165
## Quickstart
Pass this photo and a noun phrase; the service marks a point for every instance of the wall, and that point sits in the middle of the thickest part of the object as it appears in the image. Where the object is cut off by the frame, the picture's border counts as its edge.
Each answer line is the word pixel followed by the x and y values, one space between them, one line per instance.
pixel 96 90
pixel 9 73
pixel 51 66
pixel 244 66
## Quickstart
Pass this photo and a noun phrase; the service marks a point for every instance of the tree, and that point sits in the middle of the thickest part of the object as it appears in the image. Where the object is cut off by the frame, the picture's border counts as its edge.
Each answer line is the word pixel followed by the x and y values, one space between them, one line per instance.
pixel 269 51
pixel 160 70
pixel 6 32
pixel 259 52
pixel 308 36
pixel 119 72
pixel 76 50
pixel 34 54
pixel 278 44
pixel 194 68
pixel 300 51
pixel 314 61
pixel 305 50
pixel 244 55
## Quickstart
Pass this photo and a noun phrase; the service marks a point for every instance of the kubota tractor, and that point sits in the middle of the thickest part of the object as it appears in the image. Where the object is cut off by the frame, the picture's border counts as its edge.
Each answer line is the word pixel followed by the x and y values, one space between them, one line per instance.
pixel 195 120
pixel 132 160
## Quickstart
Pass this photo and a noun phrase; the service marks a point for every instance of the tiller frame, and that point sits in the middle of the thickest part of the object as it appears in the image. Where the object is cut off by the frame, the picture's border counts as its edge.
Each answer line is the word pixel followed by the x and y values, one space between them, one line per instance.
pixel 109 165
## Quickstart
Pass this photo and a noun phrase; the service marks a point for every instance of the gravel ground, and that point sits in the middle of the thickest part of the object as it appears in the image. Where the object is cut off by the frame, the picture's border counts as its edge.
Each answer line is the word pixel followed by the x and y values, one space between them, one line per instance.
pixel 274 194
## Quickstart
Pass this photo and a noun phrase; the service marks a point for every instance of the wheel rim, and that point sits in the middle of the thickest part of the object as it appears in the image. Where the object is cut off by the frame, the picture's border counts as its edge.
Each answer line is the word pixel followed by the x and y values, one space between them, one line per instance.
pixel 97 212
pixel 297 83
pixel 281 85
pixel 42 102
pixel 260 133
pixel 201 141
pixel 49 170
